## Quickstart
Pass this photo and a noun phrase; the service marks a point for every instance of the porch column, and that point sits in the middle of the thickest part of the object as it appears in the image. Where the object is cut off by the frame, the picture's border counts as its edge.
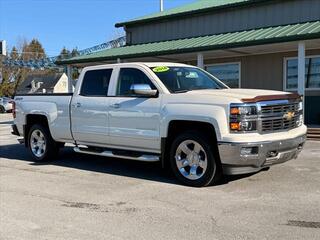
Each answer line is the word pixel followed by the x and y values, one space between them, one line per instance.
pixel 301 71
pixel 200 61
pixel 301 68
pixel 69 75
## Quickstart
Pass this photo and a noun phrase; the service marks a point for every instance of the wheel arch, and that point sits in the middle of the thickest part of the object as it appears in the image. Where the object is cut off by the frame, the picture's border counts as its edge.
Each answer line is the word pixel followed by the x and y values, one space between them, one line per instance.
pixel 176 127
pixel 199 113
pixel 32 119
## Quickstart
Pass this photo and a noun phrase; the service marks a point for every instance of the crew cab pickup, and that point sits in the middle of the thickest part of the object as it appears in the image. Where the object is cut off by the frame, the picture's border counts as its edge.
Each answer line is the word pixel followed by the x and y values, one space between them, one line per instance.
pixel 176 114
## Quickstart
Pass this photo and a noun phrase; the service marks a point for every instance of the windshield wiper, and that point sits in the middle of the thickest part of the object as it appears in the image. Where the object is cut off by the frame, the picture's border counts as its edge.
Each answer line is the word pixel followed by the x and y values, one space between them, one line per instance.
pixel 181 91
pixel 188 90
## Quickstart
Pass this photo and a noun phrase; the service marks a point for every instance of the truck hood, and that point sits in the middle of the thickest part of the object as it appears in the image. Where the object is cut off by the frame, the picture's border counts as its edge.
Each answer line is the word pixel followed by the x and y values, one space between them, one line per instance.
pixel 241 94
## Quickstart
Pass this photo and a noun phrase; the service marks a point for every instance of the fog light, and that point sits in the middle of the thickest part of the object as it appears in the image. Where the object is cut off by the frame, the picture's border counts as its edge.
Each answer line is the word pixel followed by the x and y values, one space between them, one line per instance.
pixel 249 151
pixel 299 121
pixel 235 126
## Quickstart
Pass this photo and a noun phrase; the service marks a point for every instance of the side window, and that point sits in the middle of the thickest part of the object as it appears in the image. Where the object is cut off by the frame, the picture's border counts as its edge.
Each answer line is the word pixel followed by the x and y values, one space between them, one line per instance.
pixel 128 77
pixel 96 83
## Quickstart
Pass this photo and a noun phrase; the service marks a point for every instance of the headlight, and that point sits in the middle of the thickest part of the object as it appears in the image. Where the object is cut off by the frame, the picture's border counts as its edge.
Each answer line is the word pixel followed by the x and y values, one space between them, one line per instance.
pixel 243 110
pixel 243 125
pixel 243 117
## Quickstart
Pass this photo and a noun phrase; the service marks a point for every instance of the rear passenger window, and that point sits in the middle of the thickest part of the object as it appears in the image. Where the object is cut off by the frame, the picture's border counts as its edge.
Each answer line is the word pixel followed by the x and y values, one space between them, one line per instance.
pixel 96 83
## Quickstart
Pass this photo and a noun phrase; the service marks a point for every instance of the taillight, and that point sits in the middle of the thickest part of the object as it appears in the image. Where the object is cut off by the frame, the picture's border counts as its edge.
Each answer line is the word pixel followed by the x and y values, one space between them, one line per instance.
pixel 13 103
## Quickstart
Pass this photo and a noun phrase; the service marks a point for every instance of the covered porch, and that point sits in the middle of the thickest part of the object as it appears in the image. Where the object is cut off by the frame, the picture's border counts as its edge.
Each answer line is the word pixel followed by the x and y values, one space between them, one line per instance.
pixel 276 58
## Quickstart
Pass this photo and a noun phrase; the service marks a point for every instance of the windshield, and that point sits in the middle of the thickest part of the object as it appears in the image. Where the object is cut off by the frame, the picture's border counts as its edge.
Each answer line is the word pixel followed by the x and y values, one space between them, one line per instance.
pixel 182 79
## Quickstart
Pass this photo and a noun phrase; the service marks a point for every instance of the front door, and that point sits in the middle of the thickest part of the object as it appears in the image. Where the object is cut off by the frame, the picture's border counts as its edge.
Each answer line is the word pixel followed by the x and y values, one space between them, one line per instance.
pixel 89 108
pixel 134 121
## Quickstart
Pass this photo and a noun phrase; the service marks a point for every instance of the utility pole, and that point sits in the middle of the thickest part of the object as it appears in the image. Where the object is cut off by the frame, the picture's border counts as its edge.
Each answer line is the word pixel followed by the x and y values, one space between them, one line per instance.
pixel 161 5
pixel 3 48
pixel 3 53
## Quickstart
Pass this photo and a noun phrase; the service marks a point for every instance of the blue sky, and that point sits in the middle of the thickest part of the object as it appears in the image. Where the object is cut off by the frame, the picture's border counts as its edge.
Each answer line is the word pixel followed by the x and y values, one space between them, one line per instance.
pixel 70 23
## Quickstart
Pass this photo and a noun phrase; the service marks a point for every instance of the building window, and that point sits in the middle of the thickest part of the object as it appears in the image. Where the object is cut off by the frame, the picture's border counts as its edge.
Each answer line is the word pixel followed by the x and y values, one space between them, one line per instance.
pixel 228 73
pixel 312 72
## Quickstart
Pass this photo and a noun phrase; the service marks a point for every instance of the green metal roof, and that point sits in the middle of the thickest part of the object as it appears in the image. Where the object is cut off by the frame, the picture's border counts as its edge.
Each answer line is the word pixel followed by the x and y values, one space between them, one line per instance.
pixel 293 32
pixel 191 8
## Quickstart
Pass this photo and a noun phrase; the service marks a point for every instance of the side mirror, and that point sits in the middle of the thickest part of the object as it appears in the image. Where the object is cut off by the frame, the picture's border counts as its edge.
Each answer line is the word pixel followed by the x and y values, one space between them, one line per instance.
pixel 143 90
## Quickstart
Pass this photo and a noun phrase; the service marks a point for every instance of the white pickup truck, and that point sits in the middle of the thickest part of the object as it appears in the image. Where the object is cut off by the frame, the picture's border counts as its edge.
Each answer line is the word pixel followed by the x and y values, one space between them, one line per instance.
pixel 176 114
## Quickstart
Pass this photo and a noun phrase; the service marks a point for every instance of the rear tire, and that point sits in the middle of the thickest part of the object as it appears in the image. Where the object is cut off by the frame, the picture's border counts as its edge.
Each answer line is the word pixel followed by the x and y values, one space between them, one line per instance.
pixel 2 110
pixel 194 160
pixel 41 145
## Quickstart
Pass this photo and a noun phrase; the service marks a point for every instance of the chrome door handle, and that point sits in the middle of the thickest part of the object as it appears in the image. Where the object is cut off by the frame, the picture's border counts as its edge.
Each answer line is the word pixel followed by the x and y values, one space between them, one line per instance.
pixel 76 105
pixel 115 105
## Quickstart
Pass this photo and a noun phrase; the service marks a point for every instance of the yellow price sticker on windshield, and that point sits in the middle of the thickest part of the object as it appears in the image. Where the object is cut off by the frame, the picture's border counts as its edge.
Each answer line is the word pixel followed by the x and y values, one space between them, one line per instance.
pixel 160 69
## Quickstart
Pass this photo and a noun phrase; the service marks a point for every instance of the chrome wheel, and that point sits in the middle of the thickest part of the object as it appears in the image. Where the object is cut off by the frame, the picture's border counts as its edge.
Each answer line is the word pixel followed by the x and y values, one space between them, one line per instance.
pixel 38 143
pixel 191 159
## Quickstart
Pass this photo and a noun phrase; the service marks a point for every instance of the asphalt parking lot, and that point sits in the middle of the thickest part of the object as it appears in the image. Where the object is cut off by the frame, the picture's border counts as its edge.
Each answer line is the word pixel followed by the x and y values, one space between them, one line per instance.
pixel 88 197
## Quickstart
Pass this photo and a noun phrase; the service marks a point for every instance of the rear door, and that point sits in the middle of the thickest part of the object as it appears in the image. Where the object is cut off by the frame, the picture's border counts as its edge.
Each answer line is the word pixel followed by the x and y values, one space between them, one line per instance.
pixel 89 108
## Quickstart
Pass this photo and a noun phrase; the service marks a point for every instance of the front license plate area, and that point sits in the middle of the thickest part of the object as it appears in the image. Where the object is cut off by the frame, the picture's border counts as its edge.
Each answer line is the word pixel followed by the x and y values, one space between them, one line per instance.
pixel 282 157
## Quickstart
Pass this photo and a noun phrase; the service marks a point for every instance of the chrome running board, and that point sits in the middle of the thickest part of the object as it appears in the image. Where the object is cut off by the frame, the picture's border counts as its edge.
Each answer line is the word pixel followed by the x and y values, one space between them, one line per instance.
pixel 111 153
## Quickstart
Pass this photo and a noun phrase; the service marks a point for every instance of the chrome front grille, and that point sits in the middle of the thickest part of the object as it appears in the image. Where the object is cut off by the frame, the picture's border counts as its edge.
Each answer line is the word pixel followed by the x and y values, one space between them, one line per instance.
pixel 278 124
pixel 278 116
pixel 280 108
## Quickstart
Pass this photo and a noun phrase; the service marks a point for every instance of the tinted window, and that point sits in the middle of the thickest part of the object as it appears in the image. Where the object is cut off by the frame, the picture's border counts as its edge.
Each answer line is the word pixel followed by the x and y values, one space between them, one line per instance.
pixel 128 77
pixel 180 79
pixel 96 82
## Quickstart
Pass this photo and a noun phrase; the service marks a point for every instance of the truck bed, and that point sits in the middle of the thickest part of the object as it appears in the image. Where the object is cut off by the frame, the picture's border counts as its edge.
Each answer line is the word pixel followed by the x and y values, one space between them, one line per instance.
pixel 56 107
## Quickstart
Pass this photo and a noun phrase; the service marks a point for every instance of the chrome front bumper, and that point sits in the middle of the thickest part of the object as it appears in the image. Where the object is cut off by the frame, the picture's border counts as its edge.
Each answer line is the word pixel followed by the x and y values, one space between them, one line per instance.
pixel 265 154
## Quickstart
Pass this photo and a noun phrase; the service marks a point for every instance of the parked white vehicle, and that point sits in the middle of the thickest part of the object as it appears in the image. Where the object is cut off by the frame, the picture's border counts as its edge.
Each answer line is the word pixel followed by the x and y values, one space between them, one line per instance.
pixel 5 104
pixel 177 114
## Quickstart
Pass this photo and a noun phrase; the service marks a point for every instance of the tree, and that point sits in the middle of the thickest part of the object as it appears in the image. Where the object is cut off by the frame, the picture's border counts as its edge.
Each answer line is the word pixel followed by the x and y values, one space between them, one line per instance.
pixel 14 53
pixel 74 52
pixel 33 50
pixel 6 86
pixel 65 53
pixel 25 51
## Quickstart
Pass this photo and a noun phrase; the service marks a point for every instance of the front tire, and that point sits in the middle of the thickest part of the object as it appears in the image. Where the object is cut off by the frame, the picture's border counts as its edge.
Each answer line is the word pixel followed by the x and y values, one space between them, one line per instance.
pixel 41 145
pixel 194 161
pixel 2 110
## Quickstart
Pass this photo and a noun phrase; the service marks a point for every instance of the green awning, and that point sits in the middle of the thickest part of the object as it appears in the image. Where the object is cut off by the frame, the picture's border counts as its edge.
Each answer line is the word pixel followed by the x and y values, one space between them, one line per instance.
pixel 277 34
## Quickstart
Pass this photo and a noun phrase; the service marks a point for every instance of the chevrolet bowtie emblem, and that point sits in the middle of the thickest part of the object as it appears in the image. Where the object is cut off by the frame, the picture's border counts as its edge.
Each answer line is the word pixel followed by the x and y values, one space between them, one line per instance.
pixel 289 115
